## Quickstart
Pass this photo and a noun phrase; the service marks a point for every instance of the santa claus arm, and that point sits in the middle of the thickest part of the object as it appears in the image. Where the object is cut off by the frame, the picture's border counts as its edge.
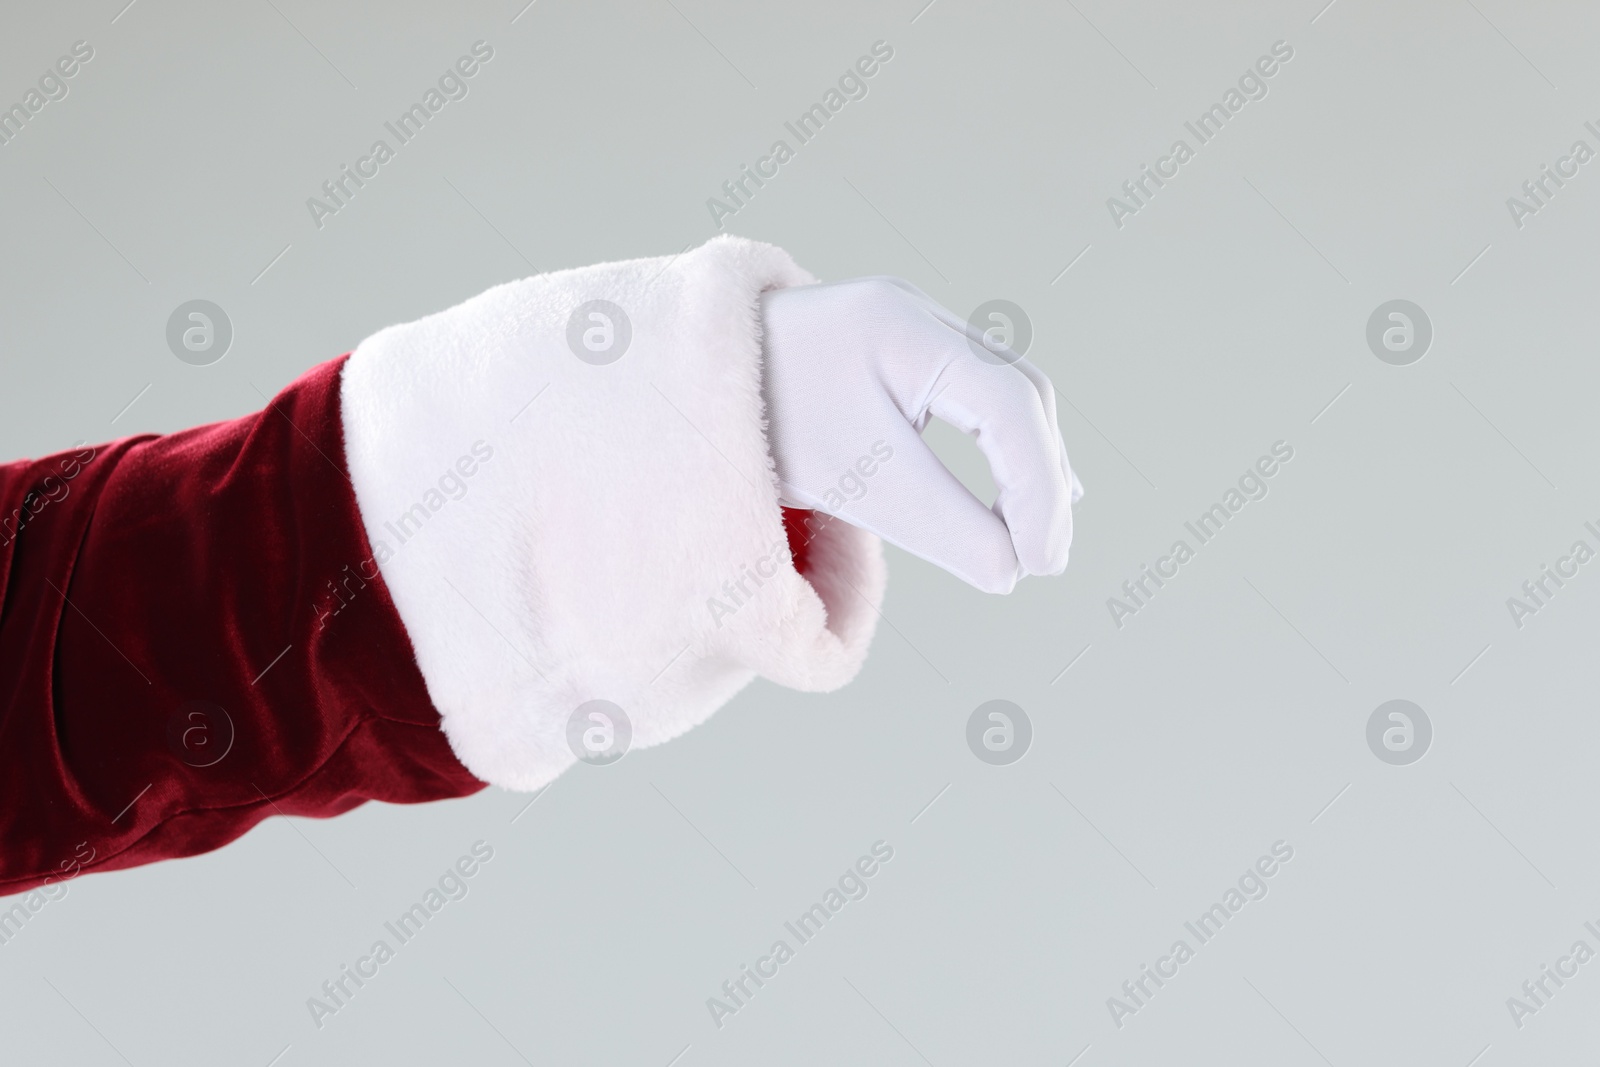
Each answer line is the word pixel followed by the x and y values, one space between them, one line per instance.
pixel 188 646
pixel 430 565
pixel 465 524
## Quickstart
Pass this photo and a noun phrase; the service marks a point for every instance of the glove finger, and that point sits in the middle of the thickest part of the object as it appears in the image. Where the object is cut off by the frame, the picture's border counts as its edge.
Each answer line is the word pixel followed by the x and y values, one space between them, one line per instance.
pixel 913 501
pixel 1041 527
pixel 1036 377
pixel 1014 424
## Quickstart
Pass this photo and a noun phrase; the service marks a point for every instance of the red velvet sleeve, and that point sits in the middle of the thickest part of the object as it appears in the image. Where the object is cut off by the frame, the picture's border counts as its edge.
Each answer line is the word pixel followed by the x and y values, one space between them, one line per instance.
pixel 193 638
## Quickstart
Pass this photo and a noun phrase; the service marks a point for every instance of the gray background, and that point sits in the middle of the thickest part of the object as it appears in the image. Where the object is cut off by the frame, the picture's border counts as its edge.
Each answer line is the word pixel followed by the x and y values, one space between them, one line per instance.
pixel 1224 717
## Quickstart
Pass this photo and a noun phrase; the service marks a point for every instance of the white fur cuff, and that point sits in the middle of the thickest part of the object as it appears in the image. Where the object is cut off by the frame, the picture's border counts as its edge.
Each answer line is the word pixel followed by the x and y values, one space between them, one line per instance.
pixel 567 487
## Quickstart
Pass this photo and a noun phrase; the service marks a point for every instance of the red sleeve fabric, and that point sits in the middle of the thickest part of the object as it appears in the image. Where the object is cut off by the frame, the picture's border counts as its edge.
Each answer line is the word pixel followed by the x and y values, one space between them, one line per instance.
pixel 193 638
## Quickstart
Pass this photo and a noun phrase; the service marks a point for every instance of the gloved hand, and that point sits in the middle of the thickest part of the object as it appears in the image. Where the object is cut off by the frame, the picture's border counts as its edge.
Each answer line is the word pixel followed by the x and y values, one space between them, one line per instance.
pixel 852 373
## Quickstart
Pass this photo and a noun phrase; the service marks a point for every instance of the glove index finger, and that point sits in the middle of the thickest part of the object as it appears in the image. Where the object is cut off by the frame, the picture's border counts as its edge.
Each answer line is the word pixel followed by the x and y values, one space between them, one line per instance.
pixel 914 502
pixel 1014 424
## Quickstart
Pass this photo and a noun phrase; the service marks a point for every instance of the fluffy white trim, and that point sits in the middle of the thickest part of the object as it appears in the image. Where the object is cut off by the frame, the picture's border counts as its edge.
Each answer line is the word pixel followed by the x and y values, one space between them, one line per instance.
pixel 599 552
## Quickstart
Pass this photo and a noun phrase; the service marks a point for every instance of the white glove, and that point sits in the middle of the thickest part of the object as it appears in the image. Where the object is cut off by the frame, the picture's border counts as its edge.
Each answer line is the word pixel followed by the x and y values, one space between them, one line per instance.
pixel 853 371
